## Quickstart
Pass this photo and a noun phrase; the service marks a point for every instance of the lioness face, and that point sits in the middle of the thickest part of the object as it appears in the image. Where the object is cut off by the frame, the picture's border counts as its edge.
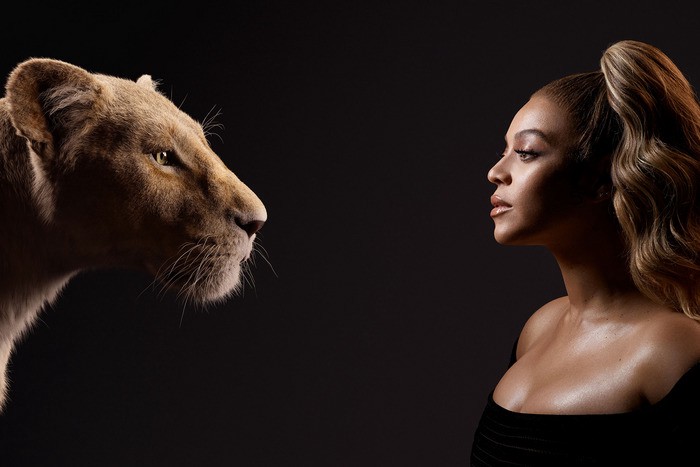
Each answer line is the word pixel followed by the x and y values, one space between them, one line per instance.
pixel 130 180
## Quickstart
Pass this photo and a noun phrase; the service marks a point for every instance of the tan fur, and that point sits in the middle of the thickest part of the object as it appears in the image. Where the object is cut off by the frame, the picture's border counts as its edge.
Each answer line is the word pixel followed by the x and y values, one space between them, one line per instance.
pixel 80 189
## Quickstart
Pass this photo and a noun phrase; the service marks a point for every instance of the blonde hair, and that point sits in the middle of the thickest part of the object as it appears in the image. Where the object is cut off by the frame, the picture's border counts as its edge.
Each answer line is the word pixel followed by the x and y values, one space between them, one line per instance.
pixel 641 117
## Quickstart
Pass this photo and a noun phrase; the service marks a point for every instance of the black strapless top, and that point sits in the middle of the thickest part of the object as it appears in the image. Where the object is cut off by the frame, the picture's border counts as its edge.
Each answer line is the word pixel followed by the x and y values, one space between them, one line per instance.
pixel 664 434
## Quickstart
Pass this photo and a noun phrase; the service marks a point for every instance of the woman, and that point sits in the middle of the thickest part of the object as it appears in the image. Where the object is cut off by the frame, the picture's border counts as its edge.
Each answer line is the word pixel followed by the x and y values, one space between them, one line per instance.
pixel 603 169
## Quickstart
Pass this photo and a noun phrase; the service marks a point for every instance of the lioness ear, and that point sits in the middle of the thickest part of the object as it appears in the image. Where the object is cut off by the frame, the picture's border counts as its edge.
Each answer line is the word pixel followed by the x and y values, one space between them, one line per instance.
pixel 147 82
pixel 45 97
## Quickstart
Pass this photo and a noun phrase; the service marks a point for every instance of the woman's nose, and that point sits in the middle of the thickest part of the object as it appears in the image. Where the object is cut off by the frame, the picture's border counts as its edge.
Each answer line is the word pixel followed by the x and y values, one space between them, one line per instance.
pixel 498 174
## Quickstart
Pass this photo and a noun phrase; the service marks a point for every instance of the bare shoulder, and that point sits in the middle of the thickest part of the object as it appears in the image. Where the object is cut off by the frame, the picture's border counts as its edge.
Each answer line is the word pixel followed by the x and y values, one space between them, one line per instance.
pixel 669 345
pixel 541 323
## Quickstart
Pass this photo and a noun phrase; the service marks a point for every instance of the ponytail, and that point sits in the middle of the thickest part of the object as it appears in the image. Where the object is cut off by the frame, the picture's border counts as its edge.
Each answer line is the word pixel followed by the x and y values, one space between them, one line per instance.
pixel 655 171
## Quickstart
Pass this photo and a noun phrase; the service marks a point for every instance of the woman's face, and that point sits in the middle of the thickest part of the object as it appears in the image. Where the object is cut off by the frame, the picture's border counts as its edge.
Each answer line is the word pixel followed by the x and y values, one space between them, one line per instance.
pixel 535 201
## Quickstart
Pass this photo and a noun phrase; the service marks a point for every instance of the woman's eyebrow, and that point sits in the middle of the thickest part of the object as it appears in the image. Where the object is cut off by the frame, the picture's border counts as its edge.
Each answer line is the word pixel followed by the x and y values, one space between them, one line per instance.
pixel 534 131
pixel 531 131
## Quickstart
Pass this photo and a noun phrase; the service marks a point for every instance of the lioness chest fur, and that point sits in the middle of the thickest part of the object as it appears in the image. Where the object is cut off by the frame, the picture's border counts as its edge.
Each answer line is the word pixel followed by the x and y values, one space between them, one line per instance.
pixel 99 171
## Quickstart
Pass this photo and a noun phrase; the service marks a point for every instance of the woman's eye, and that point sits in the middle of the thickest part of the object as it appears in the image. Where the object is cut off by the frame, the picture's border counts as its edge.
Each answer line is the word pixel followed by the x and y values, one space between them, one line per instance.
pixel 526 155
pixel 162 157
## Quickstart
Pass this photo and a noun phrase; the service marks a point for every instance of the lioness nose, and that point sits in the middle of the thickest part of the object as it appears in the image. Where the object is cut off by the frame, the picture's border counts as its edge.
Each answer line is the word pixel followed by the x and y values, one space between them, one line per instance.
pixel 250 227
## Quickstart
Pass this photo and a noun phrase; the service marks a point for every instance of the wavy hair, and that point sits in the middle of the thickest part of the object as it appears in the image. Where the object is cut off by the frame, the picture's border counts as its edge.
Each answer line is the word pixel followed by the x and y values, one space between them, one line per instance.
pixel 640 118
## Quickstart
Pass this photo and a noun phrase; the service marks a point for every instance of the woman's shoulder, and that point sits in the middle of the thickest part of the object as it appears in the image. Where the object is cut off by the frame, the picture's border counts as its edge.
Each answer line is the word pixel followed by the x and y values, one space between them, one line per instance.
pixel 668 346
pixel 541 322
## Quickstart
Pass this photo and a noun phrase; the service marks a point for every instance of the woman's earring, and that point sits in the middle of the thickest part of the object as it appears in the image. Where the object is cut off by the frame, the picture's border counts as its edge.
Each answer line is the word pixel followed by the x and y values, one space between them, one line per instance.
pixel 603 192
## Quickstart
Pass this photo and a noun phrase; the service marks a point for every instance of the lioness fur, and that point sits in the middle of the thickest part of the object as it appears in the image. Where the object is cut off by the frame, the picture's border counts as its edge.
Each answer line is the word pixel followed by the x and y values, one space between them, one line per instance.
pixel 99 171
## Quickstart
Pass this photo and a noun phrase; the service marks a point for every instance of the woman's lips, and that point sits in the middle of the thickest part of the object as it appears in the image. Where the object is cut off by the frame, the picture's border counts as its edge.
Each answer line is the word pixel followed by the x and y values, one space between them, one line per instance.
pixel 499 206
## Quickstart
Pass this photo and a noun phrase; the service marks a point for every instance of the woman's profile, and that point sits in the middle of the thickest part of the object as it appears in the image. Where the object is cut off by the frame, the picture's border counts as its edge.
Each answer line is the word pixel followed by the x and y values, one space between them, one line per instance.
pixel 603 169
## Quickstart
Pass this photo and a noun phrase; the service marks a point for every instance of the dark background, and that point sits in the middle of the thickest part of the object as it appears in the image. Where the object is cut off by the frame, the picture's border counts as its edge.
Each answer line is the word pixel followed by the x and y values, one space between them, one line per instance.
pixel 388 311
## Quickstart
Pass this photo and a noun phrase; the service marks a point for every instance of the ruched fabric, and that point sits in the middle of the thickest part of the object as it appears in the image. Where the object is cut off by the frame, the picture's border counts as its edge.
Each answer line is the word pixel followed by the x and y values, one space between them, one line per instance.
pixel 663 434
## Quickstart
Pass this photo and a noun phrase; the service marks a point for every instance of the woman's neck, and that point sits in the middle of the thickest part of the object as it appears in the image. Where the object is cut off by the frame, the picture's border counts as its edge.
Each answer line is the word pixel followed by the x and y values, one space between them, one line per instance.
pixel 596 272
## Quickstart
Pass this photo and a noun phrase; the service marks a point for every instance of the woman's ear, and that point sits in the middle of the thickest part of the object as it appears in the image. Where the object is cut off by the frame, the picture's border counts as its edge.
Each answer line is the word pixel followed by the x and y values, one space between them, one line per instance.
pixel 592 185
pixel 595 180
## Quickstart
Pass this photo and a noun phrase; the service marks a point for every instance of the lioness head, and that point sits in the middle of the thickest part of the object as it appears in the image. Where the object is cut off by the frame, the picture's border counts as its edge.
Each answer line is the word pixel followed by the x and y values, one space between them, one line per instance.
pixel 122 177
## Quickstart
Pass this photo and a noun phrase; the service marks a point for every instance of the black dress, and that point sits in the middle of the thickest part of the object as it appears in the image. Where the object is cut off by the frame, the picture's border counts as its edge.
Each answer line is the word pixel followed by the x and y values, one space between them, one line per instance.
pixel 664 434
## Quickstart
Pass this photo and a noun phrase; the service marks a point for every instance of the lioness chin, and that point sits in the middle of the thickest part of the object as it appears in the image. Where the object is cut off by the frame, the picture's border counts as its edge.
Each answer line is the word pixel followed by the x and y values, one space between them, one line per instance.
pixel 98 171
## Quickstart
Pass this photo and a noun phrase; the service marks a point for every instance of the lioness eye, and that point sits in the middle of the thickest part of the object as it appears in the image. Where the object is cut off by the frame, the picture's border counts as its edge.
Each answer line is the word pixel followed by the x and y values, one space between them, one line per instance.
pixel 162 157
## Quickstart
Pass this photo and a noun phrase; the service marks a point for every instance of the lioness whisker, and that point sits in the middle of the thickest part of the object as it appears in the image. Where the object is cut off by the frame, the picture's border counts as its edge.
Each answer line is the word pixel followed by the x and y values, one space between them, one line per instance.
pixel 209 280
pixel 181 102
pixel 248 276
pixel 259 247
pixel 182 315
pixel 189 287
pixel 170 277
pixel 204 122
pixel 255 245
pixel 167 263
pixel 195 268
pixel 208 124
pixel 158 276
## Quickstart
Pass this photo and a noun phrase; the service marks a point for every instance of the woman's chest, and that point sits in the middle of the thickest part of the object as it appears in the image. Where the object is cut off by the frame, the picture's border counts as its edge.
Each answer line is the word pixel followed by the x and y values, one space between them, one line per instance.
pixel 558 380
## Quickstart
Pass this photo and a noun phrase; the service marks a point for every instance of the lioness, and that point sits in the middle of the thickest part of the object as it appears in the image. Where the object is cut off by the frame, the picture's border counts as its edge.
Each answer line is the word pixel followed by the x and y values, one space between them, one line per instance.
pixel 99 171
